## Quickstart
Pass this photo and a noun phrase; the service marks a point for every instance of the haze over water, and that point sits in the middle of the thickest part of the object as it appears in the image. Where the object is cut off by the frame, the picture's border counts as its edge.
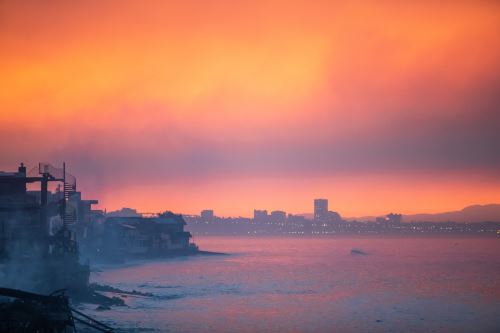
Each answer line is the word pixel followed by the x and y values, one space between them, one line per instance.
pixel 315 285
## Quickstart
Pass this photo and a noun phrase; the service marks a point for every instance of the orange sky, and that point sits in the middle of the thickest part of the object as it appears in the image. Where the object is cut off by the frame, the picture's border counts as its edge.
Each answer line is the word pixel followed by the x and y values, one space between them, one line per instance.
pixel 233 105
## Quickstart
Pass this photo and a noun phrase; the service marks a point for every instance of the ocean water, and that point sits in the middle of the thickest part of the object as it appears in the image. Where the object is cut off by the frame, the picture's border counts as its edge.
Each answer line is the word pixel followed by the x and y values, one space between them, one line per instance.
pixel 313 285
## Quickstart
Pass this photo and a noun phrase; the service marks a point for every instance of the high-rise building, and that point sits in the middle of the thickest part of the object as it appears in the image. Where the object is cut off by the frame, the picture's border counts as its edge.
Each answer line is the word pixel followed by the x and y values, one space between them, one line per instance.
pixel 260 215
pixel 207 214
pixel 278 217
pixel 394 218
pixel 320 209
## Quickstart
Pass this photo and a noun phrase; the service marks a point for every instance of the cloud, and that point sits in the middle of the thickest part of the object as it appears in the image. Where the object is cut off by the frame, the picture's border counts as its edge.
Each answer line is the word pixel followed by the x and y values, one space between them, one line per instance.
pixel 178 93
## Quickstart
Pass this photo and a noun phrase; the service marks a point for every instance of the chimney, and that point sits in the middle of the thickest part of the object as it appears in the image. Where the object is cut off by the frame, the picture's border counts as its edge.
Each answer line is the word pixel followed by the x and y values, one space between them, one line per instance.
pixel 22 169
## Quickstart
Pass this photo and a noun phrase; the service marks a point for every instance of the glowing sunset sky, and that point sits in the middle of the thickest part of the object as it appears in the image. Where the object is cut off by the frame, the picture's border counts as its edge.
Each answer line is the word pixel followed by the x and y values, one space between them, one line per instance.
pixel 233 105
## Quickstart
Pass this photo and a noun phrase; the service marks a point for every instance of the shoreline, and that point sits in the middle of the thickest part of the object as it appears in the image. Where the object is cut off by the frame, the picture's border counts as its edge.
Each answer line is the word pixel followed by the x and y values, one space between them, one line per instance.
pixel 345 235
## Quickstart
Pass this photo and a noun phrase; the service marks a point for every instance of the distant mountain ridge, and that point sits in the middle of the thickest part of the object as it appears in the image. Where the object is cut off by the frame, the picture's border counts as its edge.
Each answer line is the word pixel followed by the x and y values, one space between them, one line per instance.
pixel 474 213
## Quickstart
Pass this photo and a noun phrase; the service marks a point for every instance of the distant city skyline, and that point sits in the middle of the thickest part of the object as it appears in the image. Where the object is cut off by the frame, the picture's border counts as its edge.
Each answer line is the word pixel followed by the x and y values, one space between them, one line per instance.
pixel 472 213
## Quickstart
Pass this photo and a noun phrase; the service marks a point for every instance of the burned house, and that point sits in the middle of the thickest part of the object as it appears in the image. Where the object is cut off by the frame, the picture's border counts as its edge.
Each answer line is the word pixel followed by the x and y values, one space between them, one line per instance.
pixel 156 235
pixel 38 249
pixel 19 215
pixel 40 225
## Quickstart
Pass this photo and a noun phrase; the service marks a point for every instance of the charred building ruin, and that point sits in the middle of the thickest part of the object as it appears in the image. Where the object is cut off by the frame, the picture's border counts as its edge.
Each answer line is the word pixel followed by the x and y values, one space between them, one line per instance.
pixel 38 249
pixel 156 235
pixel 44 225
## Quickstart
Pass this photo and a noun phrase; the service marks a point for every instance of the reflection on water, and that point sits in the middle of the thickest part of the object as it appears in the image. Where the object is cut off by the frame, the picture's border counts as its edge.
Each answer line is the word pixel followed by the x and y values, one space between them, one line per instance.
pixel 315 285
